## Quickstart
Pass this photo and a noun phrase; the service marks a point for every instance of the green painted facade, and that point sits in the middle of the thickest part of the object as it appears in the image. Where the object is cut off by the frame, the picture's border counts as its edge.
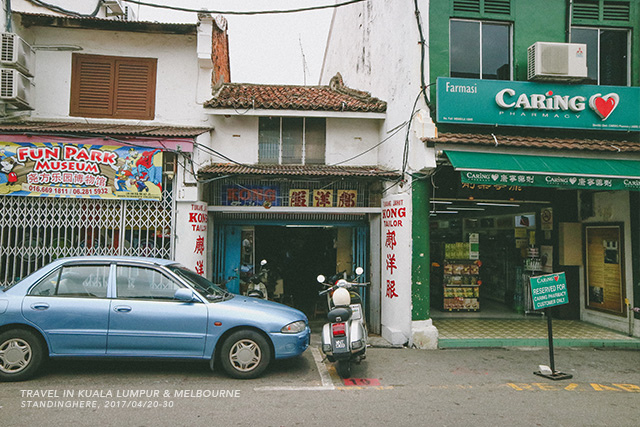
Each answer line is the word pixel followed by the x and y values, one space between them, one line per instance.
pixel 420 274
pixel 533 21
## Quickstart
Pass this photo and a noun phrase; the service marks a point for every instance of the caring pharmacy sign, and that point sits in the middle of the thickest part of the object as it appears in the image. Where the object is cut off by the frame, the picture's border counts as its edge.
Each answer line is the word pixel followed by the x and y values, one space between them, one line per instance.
pixel 514 103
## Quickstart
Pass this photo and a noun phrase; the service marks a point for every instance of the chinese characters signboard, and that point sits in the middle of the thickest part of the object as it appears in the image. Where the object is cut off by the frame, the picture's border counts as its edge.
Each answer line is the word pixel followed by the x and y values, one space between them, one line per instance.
pixel 517 103
pixel 80 170
pixel 250 195
pixel 549 290
pixel 396 263
pixel 548 180
pixel 196 235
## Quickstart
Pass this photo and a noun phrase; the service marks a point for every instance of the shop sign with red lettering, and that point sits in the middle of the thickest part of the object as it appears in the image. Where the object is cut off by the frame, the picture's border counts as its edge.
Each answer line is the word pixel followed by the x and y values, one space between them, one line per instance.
pixel 55 169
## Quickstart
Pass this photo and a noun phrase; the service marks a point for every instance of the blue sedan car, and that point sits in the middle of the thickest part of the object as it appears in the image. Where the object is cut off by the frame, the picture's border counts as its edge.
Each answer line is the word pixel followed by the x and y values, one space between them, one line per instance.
pixel 140 307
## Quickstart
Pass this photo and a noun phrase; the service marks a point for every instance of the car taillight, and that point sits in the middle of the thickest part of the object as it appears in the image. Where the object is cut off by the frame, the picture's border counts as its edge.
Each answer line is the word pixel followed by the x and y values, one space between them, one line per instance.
pixel 339 329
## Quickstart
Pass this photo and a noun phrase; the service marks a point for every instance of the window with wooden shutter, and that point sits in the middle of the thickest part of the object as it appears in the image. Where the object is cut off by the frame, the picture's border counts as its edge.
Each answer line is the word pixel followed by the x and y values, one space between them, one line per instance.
pixel 113 87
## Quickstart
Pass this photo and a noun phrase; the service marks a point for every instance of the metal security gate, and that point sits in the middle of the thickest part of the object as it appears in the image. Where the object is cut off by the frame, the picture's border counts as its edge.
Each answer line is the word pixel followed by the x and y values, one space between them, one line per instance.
pixel 36 230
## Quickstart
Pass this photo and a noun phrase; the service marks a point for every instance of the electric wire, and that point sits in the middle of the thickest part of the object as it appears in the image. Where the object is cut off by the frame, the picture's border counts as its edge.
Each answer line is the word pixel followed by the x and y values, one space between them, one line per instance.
pixel 236 12
pixel 56 8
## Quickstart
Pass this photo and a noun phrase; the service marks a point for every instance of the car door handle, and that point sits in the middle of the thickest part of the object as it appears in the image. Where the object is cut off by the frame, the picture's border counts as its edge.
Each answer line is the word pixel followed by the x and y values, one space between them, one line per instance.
pixel 40 306
pixel 122 308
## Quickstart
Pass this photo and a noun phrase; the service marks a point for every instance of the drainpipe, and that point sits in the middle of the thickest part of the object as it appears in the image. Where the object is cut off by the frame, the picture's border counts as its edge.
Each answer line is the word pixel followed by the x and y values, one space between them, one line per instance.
pixel 569 15
pixel 7 9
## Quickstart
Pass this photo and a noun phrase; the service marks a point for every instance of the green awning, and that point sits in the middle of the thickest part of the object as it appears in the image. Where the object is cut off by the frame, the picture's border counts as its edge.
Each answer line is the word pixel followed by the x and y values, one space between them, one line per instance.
pixel 546 171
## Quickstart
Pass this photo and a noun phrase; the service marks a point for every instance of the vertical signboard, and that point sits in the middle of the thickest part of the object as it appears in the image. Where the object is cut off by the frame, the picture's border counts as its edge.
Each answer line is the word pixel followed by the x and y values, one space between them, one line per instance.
pixel 396 263
pixel 604 270
pixel 196 236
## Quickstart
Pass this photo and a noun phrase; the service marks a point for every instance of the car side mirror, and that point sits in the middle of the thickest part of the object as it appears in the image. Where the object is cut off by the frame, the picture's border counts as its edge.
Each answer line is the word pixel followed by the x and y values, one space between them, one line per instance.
pixel 184 294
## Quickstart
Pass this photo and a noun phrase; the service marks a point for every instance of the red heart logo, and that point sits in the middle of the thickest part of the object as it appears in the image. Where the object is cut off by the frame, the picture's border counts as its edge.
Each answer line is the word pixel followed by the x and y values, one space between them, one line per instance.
pixel 556 278
pixel 604 105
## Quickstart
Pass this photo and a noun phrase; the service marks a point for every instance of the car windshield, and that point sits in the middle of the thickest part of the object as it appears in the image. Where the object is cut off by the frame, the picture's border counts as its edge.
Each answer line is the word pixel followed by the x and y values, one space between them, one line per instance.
pixel 203 286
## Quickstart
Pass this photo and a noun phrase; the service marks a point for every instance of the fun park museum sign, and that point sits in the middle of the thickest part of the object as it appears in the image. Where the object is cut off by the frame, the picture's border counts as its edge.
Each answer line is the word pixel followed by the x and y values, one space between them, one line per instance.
pixel 80 171
pixel 515 103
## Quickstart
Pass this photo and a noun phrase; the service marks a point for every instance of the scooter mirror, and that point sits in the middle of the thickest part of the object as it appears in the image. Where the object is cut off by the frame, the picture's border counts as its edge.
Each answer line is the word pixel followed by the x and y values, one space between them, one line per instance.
pixel 359 270
pixel 321 278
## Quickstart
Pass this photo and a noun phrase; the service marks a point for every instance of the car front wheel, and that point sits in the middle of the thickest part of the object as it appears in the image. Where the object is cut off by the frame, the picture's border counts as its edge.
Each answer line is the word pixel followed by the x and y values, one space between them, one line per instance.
pixel 21 354
pixel 245 354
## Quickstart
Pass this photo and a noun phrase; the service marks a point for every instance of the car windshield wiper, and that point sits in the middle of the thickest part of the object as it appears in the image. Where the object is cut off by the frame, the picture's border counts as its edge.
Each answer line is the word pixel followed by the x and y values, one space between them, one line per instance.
pixel 215 297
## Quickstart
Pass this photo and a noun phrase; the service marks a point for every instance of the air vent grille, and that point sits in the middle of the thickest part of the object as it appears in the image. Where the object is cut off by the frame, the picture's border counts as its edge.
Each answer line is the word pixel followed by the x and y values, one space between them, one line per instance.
pixel 495 7
pixel 602 11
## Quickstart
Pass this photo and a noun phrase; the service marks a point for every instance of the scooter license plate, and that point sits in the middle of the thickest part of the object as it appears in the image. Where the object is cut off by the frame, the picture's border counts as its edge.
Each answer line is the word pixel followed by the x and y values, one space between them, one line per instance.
pixel 340 344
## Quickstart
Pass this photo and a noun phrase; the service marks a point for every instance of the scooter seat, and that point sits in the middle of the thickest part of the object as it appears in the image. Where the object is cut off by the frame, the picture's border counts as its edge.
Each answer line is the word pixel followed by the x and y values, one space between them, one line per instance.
pixel 339 314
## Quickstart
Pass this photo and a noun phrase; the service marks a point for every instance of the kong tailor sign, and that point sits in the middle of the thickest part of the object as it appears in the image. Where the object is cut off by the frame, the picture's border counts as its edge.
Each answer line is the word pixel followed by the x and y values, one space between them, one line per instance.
pixel 80 171
pixel 514 103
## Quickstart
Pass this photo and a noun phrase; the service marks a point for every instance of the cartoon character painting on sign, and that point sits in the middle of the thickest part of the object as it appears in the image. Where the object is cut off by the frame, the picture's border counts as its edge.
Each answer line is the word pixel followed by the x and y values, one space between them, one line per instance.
pixel 141 172
pixel 8 177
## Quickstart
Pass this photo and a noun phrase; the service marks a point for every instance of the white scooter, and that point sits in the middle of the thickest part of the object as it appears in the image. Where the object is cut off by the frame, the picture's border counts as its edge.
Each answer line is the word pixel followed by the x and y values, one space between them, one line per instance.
pixel 257 287
pixel 344 338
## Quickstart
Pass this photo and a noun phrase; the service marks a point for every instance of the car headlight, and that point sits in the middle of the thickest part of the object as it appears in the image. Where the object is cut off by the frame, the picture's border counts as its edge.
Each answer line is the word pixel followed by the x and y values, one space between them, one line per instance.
pixel 294 328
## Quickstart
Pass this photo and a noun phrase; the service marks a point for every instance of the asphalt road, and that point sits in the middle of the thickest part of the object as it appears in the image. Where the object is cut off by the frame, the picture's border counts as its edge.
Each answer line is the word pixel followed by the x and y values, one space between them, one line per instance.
pixel 400 387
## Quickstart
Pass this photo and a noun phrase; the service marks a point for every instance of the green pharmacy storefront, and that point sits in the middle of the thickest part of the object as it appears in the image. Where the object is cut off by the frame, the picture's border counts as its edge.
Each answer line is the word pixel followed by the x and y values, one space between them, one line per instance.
pixel 532 179
pixel 499 218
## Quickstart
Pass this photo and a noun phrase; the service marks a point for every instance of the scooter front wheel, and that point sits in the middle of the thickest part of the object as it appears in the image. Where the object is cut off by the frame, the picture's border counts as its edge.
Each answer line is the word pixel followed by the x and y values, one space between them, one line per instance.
pixel 344 368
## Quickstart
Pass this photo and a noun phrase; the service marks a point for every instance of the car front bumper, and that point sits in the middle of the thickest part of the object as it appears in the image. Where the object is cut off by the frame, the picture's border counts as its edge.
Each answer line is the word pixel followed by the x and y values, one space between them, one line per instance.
pixel 290 345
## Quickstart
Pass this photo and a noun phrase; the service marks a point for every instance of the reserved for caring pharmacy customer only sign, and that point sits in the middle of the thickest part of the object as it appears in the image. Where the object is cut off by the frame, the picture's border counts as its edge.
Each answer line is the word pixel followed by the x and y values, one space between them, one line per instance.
pixel 549 290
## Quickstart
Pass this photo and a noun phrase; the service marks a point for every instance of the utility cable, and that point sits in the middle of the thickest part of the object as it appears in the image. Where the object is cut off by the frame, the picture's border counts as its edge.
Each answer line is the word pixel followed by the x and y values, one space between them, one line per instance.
pixel 236 12
pixel 59 9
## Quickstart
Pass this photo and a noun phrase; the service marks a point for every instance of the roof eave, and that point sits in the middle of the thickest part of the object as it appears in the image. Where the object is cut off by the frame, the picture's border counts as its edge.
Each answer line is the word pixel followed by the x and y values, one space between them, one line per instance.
pixel 260 112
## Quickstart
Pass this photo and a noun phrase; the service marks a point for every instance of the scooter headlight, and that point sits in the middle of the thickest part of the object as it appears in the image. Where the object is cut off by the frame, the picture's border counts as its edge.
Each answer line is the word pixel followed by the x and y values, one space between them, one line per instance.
pixel 294 328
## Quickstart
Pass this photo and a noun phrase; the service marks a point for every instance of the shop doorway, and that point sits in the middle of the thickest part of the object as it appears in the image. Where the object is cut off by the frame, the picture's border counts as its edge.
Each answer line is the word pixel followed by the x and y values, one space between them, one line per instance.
pixel 483 252
pixel 297 255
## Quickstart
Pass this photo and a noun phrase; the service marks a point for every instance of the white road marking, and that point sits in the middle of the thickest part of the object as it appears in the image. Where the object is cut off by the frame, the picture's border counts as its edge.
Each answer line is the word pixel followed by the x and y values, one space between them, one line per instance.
pixel 327 383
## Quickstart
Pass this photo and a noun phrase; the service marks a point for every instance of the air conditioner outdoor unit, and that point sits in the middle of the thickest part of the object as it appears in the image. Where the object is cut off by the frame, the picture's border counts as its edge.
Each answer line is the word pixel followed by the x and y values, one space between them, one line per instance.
pixel 115 6
pixel 557 61
pixel 16 53
pixel 15 88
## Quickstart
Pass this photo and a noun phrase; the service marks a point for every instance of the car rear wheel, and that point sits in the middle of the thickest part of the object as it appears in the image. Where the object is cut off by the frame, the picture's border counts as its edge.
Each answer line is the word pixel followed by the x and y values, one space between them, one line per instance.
pixel 21 354
pixel 245 354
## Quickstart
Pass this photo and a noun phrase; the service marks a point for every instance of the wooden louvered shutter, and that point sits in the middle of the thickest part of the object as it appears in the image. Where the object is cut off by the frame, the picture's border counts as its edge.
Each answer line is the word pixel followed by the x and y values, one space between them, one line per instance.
pixel 113 87
pixel 92 86
pixel 135 89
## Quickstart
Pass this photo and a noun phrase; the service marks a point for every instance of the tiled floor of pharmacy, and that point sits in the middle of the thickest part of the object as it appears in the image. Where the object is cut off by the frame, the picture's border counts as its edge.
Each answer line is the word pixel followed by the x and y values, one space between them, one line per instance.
pixel 475 332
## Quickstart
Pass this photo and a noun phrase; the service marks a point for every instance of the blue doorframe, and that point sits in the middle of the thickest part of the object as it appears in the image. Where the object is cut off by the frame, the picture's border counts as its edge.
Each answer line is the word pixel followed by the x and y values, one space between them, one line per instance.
pixel 228 244
pixel 226 256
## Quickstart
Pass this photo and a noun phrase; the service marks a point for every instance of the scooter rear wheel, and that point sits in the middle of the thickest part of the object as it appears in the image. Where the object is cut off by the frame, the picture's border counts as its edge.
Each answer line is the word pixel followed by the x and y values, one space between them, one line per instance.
pixel 344 368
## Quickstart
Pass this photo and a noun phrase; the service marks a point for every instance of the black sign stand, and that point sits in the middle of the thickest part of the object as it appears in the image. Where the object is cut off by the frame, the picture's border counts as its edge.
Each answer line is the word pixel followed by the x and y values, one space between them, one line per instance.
pixel 554 375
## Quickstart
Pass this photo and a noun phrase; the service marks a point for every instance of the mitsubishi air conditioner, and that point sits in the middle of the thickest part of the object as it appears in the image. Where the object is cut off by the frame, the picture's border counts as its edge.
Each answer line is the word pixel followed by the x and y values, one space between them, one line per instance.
pixel 16 53
pixel 557 61
pixel 15 89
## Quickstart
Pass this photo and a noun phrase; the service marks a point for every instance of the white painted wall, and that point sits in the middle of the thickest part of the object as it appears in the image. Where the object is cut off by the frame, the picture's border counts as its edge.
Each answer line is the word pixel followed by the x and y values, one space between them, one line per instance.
pixel 374 45
pixel 236 136
pixel 612 207
pixel 85 7
pixel 177 95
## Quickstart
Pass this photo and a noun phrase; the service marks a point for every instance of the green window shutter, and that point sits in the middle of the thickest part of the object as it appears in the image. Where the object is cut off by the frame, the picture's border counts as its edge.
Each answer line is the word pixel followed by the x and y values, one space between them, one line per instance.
pixel 601 11
pixel 498 7
pixel 482 7
pixel 468 6
pixel 616 11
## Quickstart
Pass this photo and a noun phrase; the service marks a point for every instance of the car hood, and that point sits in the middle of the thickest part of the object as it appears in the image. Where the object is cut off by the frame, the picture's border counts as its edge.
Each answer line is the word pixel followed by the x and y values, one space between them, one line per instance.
pixel 261 311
